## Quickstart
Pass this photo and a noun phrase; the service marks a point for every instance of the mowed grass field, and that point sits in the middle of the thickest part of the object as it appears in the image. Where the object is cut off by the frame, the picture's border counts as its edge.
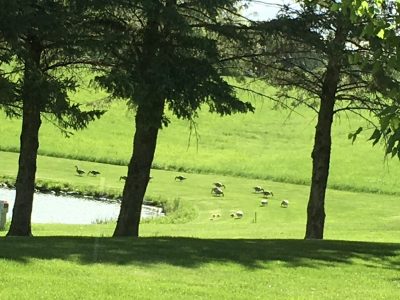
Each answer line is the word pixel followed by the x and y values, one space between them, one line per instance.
pixel 268 144
pixel 205 257
pixel 190 268
pixel 350 215
pixel 191 253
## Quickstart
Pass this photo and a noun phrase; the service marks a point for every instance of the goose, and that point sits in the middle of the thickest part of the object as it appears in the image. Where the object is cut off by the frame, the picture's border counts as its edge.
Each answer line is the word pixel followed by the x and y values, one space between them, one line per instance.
pixel 217 191
pixel 93 172
pixel 267 193
pixel 79 171
pixel 237 214
pixel 258 189
pixel 285 203
pixel 180 178
pixel 219 185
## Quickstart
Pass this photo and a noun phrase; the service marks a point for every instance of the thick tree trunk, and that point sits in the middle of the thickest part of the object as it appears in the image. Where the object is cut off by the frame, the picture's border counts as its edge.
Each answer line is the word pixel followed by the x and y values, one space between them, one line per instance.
pixel 21 216
pixel 148 121
pixel 320 171
pixel 29 142
pixel 322 143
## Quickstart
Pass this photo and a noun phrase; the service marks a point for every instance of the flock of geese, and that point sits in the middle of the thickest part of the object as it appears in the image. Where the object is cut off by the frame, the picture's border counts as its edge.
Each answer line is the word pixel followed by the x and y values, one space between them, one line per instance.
pixel 81 172
pixel 217 190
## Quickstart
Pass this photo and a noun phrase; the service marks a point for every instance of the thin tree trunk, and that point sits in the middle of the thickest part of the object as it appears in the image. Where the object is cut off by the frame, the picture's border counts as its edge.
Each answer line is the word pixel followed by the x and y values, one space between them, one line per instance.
pixel 21 216
pixel 148 121
pixel 322 143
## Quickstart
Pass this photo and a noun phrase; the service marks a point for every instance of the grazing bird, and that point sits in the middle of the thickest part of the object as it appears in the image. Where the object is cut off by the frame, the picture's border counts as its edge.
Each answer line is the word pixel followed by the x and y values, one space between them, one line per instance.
pixel 258 189
pixel 180 178
pixel 126 177
pixel 219 185
pixel 264 202
pixel 285 203
pixel 237 214
pixel 93 173
pixel 217 191
pixel 79 171
pixel 267 193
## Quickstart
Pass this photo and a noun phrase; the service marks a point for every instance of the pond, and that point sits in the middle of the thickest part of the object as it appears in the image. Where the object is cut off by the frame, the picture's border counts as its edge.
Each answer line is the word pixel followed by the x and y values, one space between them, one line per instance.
pixel 48 208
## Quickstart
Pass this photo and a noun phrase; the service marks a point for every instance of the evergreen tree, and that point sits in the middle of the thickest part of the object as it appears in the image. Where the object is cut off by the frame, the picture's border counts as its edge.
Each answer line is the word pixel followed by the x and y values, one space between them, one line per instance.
pixel 45 40
pixel 165 54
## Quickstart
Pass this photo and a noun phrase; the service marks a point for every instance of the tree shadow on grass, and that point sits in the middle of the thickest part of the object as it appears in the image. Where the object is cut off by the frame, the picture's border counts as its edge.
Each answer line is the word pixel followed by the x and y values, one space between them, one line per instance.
pixel 194 252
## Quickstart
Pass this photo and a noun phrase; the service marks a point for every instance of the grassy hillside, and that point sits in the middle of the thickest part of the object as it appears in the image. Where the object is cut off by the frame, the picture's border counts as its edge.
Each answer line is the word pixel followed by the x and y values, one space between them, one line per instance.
pixel 267 145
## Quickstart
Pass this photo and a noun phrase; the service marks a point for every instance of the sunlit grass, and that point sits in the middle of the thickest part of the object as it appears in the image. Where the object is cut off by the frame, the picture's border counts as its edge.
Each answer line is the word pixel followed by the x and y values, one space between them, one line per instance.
pixel 268 144
pixel 350 215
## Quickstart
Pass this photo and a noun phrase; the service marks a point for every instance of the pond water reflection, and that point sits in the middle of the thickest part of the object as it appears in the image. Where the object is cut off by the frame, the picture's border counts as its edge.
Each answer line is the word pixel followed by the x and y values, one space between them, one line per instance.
pixel 48 208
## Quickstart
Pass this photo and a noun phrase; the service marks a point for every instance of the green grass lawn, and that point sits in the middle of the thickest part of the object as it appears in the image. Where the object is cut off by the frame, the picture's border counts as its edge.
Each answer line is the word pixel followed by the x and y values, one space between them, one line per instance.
pixel 190 253
pixel 350 215
pixel 192 268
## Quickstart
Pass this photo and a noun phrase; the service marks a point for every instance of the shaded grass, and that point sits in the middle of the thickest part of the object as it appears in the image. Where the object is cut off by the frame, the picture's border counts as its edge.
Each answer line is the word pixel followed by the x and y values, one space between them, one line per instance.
pixel 178 268
pixel 193 252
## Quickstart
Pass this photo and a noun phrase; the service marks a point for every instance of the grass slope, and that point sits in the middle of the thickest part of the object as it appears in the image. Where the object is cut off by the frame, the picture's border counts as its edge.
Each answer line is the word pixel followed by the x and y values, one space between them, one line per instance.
pixel 184 268
pixel 265 145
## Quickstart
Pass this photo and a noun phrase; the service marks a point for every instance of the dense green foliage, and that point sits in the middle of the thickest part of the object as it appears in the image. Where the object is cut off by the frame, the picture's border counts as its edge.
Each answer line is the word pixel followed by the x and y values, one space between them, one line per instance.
pixel 380 27
pixel 40 44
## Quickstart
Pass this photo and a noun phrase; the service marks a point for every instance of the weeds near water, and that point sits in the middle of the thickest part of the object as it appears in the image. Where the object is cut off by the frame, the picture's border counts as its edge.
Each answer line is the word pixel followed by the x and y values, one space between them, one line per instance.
pixel 176 212
pixel 105 221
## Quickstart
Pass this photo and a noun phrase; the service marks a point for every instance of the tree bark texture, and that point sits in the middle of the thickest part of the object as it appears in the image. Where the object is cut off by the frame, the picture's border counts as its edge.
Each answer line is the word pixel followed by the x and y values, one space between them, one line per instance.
pixel 320 170
pixel 29 143
pixel 148 119
pixel 29 139
pixel 323 142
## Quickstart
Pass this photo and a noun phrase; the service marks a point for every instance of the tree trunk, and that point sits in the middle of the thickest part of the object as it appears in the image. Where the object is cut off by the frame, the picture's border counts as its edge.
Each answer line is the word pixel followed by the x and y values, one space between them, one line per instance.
pixel 320 171
pixel 148 121
pixel 29 142
pixel 21 216
pixel 322 142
